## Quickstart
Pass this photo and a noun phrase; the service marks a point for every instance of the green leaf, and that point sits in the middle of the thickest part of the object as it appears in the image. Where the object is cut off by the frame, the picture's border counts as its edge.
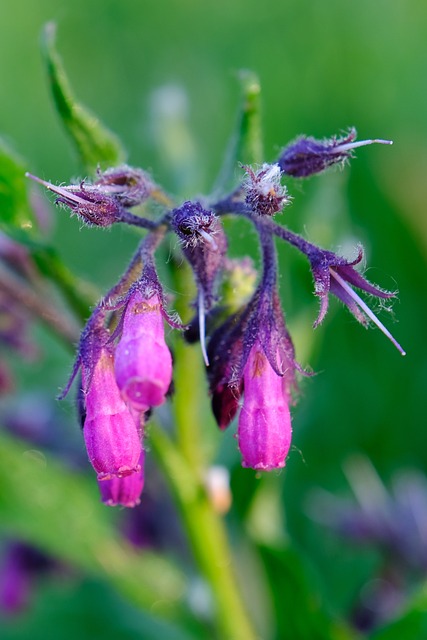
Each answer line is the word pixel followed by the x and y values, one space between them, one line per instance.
pixel 246 145
pixel 15 210
pixel 45 504
pixel 96 145
pixel 66 609
pixel 299 611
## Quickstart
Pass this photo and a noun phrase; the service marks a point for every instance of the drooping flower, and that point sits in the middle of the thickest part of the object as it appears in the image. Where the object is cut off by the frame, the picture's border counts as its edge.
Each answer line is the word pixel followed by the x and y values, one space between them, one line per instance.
pixel 306 156
pixel 252 354
pixel 111 435
pixel 143 362
pixel 264 430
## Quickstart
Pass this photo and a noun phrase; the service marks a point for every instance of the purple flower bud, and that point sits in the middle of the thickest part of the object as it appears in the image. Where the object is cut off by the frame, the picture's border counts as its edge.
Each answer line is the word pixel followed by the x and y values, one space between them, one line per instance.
pixel 143 362
pixel 225 403
pixel 333 274
pixel 264 194
pixel 111 435
pixel 264 431
pixel 306 156
pixel 225 354
pixel 194 225
pixel 125 491
pixel 204 245
pixel 130 186
pixel 88 201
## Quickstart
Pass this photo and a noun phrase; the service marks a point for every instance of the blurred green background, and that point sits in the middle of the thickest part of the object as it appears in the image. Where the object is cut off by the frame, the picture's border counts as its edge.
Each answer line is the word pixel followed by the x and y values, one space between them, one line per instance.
pixel 323 67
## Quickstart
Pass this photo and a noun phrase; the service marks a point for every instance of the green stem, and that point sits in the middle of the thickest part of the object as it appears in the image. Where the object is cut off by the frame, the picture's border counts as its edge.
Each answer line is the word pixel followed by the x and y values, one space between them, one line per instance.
pixel 185 461
pixel 189 404
pixel 207 536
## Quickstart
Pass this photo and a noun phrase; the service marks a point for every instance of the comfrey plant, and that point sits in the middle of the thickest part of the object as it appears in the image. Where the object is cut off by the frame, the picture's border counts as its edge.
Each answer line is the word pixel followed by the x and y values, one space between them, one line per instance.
pixel 139 381
pixel 124 364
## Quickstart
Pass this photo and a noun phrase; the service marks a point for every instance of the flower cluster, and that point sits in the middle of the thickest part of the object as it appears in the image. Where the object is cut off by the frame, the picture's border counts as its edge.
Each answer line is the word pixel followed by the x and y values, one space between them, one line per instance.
pixel 124 362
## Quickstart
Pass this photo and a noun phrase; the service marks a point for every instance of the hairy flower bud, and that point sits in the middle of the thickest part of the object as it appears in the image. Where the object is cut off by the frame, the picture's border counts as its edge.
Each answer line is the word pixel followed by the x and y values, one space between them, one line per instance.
pixel 204 246
pixel 306 156
pixel 264 430
pixel 87 201
pixel 264 193
pixel 130 186
pixel 143 362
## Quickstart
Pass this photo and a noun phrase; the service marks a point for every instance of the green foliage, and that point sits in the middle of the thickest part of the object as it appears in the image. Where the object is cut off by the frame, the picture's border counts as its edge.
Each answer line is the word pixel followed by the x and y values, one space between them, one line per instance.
pixel 246 145
pixel 299 611
pixel 88 609
pixel 15 209
pixel 95 144
pixel 44 503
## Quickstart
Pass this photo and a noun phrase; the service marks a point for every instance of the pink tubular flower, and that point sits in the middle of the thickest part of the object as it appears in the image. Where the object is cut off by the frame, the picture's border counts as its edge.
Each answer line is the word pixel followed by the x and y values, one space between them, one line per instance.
pixel 143 362
pixel 264 430
pixel 111 434
pixel 125 491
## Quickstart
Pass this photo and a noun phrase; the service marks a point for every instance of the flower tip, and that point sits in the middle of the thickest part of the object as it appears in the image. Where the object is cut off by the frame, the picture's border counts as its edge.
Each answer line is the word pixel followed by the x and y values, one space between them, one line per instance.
pixel 36 179
pixel 399 348
pixel 111 502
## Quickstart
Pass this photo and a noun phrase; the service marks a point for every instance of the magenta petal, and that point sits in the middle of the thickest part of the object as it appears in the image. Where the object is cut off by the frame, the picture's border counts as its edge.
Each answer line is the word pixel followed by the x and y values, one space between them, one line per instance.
pixel 111 435
pixel 125 491
pixel 264 437
pixel 143 362
pixel 264 430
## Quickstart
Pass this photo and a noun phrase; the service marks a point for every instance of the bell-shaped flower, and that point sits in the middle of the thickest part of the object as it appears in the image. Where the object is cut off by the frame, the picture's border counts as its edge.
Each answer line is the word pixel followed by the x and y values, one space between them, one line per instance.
pixel 264 430
pixel 143 362
pixel 111 435
pixel 252 353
